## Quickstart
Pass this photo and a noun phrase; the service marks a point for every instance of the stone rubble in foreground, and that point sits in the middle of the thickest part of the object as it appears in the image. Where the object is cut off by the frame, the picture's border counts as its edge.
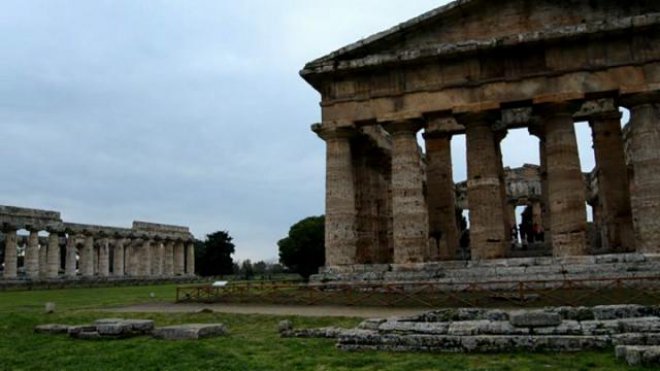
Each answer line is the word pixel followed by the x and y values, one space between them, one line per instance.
pixel 119 328
pixel 633 329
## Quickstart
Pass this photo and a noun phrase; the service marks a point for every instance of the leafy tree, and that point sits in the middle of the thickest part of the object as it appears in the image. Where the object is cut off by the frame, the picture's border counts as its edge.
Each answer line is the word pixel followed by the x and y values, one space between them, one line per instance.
pixel 247 271
pixel 303 251
pixel 260 267
pixel 213 255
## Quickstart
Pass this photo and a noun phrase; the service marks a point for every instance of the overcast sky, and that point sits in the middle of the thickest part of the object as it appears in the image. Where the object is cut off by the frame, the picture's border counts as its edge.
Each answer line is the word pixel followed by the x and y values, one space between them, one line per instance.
pixel 182 112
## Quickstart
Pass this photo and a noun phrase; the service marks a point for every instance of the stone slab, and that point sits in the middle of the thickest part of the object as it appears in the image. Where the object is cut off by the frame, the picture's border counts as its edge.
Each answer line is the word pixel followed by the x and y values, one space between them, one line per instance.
pixel 639 355
pixel 537 318
pixel 52 329
pixel 189 331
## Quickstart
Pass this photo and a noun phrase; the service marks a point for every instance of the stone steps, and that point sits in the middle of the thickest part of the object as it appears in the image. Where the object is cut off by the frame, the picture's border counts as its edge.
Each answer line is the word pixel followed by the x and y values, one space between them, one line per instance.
pixel 543 272
pixel 634 329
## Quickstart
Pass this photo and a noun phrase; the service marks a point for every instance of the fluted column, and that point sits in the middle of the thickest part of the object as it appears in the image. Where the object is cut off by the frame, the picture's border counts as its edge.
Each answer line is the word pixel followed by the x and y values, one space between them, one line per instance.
pixel 487 236
pixel 70 262
pixel 145 261
pixel 169 258
pixel 87 257
pixel 118 265
pixel 104 257
pixel 566 188
pixel 132 257
pixel 179 259
pixel 340 198
pixel 613 185
pixel 443 228
pixel 43 259
pixel 53 258
pixel 32 255
pixel 409 208
pixel 157 257
pixel 190 259
pixel 645 158
pixel 11 256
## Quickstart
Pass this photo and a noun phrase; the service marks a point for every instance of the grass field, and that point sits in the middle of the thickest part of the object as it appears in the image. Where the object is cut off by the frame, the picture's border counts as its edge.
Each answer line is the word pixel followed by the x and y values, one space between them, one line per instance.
pixel 253 343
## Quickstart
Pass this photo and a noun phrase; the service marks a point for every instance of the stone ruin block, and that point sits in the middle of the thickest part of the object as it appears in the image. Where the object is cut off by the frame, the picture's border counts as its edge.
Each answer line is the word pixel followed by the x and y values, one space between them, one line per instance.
pixel 536 318
pixel 189 331
pixel 52 329
pixel 639 355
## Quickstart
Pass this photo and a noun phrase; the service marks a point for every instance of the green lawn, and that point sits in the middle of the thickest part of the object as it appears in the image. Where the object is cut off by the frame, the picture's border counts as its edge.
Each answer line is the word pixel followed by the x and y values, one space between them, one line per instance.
pixel 253 343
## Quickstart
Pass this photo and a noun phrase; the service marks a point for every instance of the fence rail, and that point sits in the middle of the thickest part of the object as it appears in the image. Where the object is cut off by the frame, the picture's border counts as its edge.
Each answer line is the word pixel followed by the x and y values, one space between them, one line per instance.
pixel 642 290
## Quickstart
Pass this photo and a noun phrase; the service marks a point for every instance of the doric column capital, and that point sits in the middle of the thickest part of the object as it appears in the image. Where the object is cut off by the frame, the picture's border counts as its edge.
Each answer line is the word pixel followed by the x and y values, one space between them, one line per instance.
pixel 557 109
pixel 441 126
pixel 403 127
pixel 330 131
pixel 605 108
pixel 478 118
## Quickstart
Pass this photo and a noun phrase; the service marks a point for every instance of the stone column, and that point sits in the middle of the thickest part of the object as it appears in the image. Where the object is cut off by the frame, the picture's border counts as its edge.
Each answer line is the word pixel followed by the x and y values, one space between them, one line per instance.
pixel 53 258
pixel 145 261
pixel 87 257
pixel 32 255
pixel 169 258
pixel 613 185
pixel 340 198
pixel 566 188
pixel 487 237
pixel 104 258
pixel 43 259
pixel 508 222
pixel 178 258
pixel 645 159
pixel 118 258
pixel 190 259
pixel 132 257
pixel 11 256
pixel 409 208
pixel 70 262
pixel 156 258
pixel 443 227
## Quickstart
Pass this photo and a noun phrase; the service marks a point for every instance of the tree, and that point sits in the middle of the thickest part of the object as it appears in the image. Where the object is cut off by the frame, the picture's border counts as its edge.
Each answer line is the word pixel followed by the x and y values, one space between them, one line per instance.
pixel 247 271
pixel 303 250
pixel 213 256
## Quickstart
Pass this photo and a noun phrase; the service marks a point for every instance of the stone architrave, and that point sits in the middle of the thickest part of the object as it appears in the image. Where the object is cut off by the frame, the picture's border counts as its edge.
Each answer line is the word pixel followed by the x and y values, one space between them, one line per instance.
pixel 169 258
pixel 566 188
pixel 409 209
pixel 53 258
pixel 487 237
pixel 340 197
pixel 70 262
pixel 11 256
pixel 443 228
pixel 118 266
pixel 87 257
pixel 179 268
pixel 32 255
pixel 613 185
pixel 104 258
pixel 190 259
pixel 645 159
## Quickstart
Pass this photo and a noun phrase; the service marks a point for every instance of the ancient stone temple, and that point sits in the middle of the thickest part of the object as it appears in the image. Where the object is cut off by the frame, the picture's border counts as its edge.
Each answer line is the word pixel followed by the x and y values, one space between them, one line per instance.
pixel 50 248
pixel 481 68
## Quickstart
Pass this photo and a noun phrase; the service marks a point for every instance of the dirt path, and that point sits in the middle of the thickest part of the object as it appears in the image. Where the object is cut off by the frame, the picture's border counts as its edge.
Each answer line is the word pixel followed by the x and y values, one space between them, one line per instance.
pixel 279 310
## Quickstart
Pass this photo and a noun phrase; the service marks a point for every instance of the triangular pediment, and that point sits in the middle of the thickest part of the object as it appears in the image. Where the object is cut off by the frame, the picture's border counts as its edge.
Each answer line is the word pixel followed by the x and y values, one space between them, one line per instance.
pixel 485 22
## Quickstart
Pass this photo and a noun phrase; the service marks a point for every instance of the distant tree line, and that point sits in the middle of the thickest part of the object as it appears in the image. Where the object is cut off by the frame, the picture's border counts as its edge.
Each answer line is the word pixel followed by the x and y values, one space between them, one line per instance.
pixel 301 252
